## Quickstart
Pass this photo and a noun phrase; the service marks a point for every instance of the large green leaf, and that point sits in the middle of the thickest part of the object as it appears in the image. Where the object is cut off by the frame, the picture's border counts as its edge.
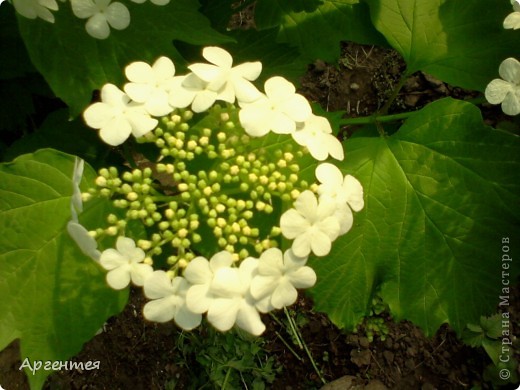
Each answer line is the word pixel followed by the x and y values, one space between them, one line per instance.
pixel 441 194
pixel 460 42
pixel 74 63
pixel 51 292
pixel 316 27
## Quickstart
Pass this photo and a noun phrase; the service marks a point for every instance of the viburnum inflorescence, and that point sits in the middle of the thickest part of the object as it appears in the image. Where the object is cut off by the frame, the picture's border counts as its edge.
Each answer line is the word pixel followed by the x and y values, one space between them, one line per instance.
pixel 223 183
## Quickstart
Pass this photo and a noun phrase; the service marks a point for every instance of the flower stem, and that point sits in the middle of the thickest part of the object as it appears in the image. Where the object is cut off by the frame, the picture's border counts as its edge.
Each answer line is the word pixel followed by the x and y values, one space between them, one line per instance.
pixel 375 119
pixel 302 344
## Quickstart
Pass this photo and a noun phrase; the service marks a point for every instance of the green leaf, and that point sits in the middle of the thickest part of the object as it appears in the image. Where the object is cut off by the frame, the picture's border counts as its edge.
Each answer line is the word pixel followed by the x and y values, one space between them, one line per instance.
pixel 64 48
pixel 318 27
pixel 51 292
pixel 460 42
pixel 440 196
pixel 59 133
pixel 492 326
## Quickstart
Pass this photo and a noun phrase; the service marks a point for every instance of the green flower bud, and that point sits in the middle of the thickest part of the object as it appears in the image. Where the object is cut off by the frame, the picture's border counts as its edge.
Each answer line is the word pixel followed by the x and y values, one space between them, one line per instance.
pixel 111 231
pixel 164 225
pixel 132 196
pixel 243 240
pixel 112 219
pixel 196 238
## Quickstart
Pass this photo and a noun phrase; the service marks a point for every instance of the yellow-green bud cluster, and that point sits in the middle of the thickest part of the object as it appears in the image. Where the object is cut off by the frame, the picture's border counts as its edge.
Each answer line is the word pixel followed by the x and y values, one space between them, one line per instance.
pixel 212 182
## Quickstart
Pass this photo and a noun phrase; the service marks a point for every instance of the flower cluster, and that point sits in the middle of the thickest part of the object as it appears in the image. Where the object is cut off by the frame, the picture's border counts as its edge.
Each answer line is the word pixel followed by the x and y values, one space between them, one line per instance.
pixel 217 182
pixel 101 15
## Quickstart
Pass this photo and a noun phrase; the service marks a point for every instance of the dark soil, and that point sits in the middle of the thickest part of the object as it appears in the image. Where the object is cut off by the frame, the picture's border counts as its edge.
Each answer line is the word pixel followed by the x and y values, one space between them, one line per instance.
pixel 135 354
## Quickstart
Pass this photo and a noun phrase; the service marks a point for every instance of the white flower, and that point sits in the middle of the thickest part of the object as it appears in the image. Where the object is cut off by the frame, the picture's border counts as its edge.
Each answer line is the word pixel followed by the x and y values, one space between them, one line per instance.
pixel 150 85
pixel 513 19
pixel 85 242
pixel 227 81
pixel 117 117
pixel 278 110
pixel 316 135
pixel 101 16
pixel 278 278
pixel 234 302
pixel 33 9
pixel 200 273
pixel 169 301
pixel 344 190
pixel 311 224
pixel 506 91
pixel 125 264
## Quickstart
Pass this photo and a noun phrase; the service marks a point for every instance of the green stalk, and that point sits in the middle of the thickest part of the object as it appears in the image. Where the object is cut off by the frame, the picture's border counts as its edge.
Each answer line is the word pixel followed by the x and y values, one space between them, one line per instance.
pixel 302 344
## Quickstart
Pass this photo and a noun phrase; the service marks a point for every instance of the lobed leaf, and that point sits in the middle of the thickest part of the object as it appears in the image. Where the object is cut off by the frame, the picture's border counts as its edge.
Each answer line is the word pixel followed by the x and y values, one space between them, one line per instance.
pixel 50 289
pixel 441 194
pixel 460 42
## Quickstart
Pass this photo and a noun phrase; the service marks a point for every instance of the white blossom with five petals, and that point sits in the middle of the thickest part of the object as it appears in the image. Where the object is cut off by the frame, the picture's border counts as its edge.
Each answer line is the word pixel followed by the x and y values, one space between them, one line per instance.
pixel 169 301
pixel 312 224
pixel 125 264
pixel 278 110
pixel 278 277
pixel 101 14
pixel 117 117
pixel 150 85
pixel 506 91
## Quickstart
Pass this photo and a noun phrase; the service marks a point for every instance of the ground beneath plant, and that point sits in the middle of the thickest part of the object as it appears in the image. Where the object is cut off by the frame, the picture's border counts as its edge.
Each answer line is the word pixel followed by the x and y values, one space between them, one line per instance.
pixel 136 354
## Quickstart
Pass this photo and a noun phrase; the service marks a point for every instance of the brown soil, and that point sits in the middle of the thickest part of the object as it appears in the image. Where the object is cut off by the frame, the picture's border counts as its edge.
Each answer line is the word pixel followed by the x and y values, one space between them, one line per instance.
pixel 135 354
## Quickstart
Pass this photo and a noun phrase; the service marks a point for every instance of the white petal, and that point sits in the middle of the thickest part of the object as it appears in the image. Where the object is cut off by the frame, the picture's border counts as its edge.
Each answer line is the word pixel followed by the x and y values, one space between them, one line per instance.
pixel 218 56
pixel 284 295
pixel 329 174
pixel 83 8
pixel 199 299
pixel 164 69
pixel 279 89
pixel 138 92
pixel 271 262
pixel 281 123
pixel 158 285
pixel 220 260
pixel 119 277
pixel 203 100
pixel 245 90
pixel 307 205
pixel 320 243
pixel 198 271
pixel 111 258
pixel 85 242
pixel 304 277
pixel 334 147
pixel 297 108
pixel 118 16
pixel 301 245
pixel 157 103
pixel 126 246
pixel 226 283
pixel 185 318
pixel 345 219
pixel 262 286
pixel 160 2
pixel 253 120
pixel 329 226
pixel 497 90
pixel 249 320
pixel 140 273
pixel 511 104
pixel 293 224
pixel 97 26
pixel 509 70
pixel 116 131
pixel 512 20
pixel 161 310
pixel 140 122
pixel 206 72
pixel 98 115
pixel 26 8
pixel 139 72
pixel 248 70
pixel 223 313
pixel 353 192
